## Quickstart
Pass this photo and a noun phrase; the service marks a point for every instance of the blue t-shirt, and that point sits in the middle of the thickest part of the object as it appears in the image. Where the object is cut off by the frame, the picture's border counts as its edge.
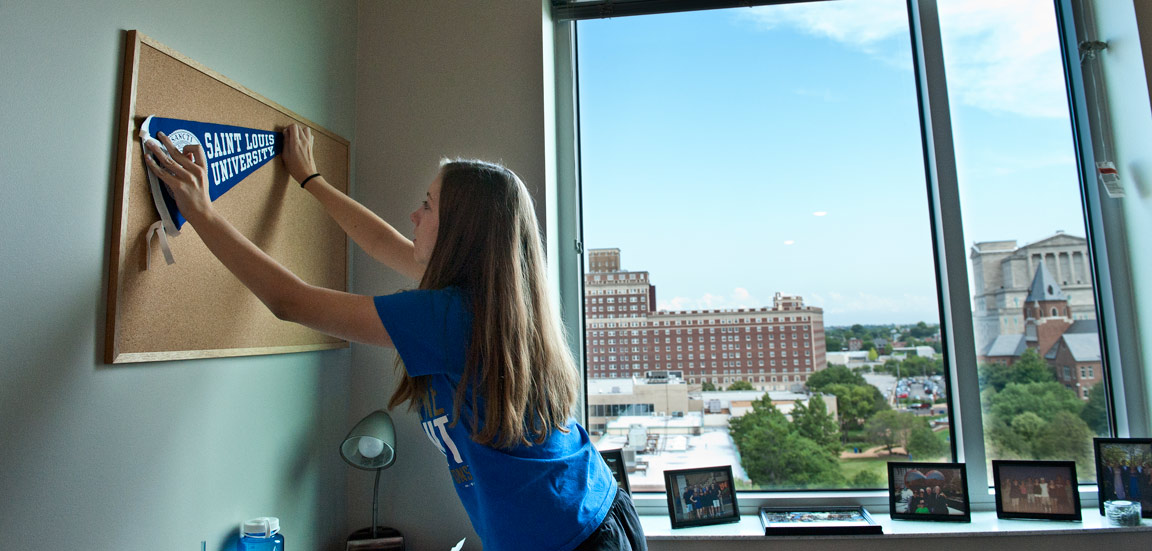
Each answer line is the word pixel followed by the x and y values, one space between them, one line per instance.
pixel 539 497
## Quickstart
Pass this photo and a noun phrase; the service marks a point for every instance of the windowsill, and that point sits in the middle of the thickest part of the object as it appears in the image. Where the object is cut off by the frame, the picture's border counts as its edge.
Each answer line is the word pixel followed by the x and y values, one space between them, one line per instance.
pixel 657 528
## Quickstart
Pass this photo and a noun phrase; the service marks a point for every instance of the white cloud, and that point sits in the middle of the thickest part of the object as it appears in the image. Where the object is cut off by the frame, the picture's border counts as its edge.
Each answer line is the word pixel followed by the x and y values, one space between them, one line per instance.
pixel 1000 56
pixel 738 298
pixel 859 24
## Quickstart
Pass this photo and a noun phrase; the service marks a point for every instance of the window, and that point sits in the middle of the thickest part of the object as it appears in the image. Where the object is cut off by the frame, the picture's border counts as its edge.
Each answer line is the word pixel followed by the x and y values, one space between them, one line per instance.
pixel 675 91
pixel 1038 264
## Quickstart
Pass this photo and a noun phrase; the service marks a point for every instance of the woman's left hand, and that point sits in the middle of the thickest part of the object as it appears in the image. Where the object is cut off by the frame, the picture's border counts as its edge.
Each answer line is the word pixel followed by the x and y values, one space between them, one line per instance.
pixel 184 173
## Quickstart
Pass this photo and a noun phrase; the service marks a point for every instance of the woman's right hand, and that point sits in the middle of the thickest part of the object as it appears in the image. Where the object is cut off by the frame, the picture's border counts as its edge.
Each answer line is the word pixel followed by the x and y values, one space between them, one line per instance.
pixel 298 152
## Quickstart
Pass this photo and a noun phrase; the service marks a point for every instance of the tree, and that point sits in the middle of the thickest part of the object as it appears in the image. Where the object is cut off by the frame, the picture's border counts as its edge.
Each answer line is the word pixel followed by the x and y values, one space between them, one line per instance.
pixel 833 344
pixel 1030 368
pixel 707 386
pixel 741 385
pixel 816 424
pixel 892 428
pixel 873 355
pixel 922 330
pixel 1036 420
pixel 867 480
pixel 1095 412
pixel 833 374
pixel 856 403
pixel 924 445
pixel 775 454
pixel 1043 399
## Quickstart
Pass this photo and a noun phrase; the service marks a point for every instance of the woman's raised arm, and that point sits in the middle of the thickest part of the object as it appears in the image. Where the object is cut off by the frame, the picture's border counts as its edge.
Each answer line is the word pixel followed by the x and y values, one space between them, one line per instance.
pixel 377 237
pixel 344 315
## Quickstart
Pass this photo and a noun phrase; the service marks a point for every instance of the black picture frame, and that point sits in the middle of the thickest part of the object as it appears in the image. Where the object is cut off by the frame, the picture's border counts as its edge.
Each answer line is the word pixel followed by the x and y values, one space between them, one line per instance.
pixel 1108 472
pixel 615 460
pixel 712 485
pixel 1036 489
pixel 945 489
pixel 818 521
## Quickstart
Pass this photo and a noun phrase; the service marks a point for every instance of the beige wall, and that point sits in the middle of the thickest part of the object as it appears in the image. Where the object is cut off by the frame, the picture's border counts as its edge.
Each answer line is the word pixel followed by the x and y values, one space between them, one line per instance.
pixel 435 78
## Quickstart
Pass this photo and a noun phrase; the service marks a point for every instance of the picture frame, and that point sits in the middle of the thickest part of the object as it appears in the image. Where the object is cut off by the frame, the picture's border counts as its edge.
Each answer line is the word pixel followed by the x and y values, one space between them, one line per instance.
pixel 928 491
pixel 615 461
pixel 702 496
pixel 818 521
pixel 1124 471
pixel 1036 489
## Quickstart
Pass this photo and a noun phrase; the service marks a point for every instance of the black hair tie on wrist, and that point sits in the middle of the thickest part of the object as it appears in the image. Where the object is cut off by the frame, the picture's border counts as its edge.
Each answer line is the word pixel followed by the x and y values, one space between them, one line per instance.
pixel 306 180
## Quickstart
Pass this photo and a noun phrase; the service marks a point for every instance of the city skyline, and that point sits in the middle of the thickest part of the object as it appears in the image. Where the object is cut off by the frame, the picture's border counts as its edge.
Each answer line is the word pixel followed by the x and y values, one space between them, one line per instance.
pixel 814 153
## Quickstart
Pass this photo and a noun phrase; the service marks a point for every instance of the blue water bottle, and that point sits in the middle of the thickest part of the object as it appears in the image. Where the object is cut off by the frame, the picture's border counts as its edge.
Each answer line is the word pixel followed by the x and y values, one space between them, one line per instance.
pixel 261 534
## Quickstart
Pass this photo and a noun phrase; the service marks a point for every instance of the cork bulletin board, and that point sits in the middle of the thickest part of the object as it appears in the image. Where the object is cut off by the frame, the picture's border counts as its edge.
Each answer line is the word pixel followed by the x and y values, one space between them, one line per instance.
pixel 196 308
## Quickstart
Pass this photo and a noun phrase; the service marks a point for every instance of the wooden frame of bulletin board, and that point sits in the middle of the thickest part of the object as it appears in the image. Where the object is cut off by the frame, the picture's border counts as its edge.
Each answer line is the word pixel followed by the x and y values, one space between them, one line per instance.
pixel 196 308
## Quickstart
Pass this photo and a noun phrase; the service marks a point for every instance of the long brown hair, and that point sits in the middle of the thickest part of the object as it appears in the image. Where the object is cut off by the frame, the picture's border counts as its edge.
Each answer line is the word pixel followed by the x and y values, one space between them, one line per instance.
pixel 488 244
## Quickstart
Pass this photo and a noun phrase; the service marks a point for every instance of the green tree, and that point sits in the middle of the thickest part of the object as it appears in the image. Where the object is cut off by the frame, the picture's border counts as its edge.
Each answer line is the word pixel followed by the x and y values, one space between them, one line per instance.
pixel 1030 368
pixel 776 455
pixel 833 343
pixel 1043 399
pixel 741 385
pixel 922 330
pixel 1095 412
pixel 892 428
pixel 1036 420
pixel 924 445
pixel 707 386
pixel 833 374
pixel 872 354
pixel 867 479
pixel 816 424
pixel 855 403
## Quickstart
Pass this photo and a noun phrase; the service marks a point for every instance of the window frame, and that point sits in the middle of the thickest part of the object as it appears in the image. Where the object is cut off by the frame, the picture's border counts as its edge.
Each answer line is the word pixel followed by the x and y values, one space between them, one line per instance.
pixel 1105 231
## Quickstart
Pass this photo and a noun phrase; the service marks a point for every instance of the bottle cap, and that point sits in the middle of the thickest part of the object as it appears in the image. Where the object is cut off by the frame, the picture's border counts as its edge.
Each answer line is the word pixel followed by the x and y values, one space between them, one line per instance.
pixel 261 527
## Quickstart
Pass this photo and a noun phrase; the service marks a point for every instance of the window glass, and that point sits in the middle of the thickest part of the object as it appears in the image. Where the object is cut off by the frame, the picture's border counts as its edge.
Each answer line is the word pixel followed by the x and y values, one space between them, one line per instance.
pixel 1033 302
pixel 761 170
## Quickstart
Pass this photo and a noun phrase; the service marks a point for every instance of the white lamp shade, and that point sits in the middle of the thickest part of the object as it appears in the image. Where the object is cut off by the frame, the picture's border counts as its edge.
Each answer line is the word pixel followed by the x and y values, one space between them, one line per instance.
pixel 371 444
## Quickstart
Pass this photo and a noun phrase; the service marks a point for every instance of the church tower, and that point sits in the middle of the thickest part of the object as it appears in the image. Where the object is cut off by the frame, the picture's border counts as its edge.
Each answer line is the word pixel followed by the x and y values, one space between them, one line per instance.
pixel 1046 312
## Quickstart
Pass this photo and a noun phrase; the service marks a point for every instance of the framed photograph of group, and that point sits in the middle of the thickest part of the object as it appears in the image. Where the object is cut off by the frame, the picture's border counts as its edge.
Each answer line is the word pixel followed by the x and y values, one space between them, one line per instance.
pixel 1124 471
pixel 698 497
pixel 615 460
pixel 928 491
pixel 1036 489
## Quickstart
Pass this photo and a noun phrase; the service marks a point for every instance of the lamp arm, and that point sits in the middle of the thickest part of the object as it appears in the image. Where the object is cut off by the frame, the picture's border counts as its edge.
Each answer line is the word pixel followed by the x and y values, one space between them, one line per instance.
pixel 375 501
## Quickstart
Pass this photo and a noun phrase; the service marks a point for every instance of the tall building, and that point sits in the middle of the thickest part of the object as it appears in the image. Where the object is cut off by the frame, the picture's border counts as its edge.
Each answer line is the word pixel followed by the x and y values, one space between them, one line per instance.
pixel 1002 273
pixel 775 348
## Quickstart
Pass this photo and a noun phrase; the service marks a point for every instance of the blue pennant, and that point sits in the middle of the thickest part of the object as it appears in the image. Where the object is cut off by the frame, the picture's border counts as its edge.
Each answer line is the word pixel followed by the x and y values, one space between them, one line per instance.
pixel 231 152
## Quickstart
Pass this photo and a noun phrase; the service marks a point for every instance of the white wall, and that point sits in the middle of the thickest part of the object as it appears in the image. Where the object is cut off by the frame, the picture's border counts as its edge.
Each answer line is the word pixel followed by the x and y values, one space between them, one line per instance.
pixel 165 455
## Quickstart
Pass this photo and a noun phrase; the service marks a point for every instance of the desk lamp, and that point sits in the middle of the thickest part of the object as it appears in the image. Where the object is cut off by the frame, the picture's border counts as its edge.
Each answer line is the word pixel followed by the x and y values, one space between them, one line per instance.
pixel 371 446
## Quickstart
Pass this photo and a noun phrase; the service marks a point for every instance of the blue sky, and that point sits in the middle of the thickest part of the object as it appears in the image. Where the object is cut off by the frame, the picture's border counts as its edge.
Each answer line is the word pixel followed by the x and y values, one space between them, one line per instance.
pixel 711 140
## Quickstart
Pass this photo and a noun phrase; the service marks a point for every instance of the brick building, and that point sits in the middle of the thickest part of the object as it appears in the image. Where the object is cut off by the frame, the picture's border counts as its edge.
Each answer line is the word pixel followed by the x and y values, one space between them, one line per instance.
pixel 1002 273
pixel 773 348
pixel 1070 346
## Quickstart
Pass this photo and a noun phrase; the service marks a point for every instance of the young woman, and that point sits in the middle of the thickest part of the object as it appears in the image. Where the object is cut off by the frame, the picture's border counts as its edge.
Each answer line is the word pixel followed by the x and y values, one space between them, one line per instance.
pixel 483 357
